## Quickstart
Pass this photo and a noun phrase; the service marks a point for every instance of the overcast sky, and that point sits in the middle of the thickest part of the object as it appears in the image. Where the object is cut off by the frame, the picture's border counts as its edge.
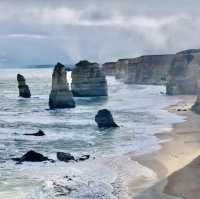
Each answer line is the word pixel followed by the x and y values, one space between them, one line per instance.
pixel 48 31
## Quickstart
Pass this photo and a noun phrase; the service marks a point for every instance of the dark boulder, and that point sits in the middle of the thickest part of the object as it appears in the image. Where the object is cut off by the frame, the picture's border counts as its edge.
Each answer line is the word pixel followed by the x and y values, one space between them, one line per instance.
pixel 196 106
pixel 65 157
pixel 31 156
pixel 39 133
pixel 104 119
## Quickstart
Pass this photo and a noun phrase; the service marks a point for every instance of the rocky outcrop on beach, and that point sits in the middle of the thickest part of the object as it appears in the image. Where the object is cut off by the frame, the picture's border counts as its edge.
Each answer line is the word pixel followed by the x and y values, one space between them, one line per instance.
pixel 31 156
pixel 39 133
pixel 109 68
pixel 88 80
pixel 184 73
pixel 104 119
pixel 149 69
pixel 196 107
pixel 24 90
pixel 60 96
pixel 67 157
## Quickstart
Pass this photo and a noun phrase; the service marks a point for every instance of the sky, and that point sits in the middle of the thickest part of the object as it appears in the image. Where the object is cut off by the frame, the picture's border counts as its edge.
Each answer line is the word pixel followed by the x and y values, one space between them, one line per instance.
pixel 47 31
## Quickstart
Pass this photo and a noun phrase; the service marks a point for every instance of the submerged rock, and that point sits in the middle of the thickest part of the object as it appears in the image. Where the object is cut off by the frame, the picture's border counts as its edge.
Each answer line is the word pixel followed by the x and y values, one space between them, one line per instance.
pixel 39 133
pixel 104 119
pixel 24 90
pixel 32 156
pixel 60 96
pixel 196 106
pixel 88 80
pixel 83 158
pixel 65 157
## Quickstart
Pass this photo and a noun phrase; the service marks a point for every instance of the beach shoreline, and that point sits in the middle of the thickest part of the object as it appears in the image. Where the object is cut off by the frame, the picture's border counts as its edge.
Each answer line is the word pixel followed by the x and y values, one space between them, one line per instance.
pixel 181 149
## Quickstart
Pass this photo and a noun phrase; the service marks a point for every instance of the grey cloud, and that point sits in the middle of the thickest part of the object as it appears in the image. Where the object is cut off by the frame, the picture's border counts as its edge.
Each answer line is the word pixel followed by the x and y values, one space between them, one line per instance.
pixel 38 32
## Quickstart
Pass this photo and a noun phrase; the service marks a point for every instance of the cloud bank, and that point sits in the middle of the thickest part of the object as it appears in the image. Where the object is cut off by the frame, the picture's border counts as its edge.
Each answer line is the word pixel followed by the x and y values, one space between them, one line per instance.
pixel 42 32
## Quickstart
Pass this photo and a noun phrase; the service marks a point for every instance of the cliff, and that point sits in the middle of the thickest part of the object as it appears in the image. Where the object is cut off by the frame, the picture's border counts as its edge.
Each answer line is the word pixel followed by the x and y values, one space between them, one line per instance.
pixel 88 80
pixel 149 69
pixel 184 73
pixel 109 68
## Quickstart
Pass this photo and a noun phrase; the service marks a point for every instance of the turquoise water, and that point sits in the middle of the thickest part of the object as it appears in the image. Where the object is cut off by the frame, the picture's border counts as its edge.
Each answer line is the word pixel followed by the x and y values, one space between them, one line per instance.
pixel 137 109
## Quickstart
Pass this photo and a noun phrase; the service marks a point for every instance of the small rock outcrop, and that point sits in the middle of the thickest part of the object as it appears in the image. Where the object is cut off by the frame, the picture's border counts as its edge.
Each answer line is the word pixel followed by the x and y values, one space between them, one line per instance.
pixel 104 119
pixel 88 80
pixel 31 156
pixel 39 133
pixel 60 96
pixel 24 90
pixel 65 157
pixel 184 74
pixel 196 106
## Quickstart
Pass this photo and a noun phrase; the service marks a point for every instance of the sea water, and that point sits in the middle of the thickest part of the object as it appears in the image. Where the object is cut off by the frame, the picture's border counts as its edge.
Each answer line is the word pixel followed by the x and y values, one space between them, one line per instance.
pixel 137 109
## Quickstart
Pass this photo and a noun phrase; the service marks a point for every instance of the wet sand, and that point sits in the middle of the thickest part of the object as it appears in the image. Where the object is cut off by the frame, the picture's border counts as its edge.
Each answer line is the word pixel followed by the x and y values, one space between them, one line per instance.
pixel 176 166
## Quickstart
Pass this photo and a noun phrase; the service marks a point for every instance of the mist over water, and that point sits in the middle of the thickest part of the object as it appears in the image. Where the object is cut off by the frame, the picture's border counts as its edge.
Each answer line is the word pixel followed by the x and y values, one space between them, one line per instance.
pixel 137 109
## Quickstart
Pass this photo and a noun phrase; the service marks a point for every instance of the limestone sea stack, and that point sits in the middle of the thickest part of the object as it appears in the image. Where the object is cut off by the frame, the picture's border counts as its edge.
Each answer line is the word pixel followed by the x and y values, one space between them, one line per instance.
pixel 60 96
pixel 24 90
pixel 184 73
pixel 88 80
pixel 104 119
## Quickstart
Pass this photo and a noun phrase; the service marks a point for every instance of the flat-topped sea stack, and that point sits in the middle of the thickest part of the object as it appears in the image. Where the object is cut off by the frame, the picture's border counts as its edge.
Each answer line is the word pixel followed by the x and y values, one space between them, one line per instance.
pixel 88 80
pixel 149 69
pixel 60 96
pixel 184 73
pixel 109 68
pixel 24 90
pixel 121 68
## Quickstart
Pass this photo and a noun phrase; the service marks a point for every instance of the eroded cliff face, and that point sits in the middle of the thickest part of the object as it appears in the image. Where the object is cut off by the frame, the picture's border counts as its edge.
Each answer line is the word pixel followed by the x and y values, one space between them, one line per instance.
pixel 184 73
pixel 60 96
pixel 88 80
pixel 121 68
pixel 150 69
pixel 109 68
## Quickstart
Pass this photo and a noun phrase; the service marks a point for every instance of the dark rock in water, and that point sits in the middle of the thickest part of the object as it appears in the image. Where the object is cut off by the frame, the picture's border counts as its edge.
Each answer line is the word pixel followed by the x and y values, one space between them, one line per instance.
pixel 39 133
pixel 88 80
pixel 83 158
pixel 104 119
pixel 196 106
pixel 31 156
pixel 65 157
pixel 60 96
pixel 24 90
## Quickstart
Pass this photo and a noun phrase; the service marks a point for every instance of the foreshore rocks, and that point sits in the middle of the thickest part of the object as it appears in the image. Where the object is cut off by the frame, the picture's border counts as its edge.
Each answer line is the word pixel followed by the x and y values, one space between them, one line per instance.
pixel 24 90
pixel 184 73
pixel 32 156
pixel 60 96
pixel 104 119
pixel 88 80
pixel 67 157
pixel 39 133
pixel 196 107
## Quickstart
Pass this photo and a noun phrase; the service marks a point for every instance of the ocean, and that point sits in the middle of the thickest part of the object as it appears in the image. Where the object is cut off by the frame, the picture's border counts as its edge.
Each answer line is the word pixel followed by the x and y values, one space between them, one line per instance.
pixel 137 109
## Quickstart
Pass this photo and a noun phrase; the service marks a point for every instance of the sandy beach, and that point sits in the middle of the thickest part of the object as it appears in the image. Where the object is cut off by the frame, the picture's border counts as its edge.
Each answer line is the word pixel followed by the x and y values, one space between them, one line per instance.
pixel 176 162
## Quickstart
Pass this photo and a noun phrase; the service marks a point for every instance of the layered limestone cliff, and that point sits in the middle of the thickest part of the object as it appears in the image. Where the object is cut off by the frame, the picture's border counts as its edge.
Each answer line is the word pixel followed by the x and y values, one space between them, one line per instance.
pixel 60 96
pixel 109 68
pixel 149 69
pixel 88 80
pixel 24 90
pixel 184 73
